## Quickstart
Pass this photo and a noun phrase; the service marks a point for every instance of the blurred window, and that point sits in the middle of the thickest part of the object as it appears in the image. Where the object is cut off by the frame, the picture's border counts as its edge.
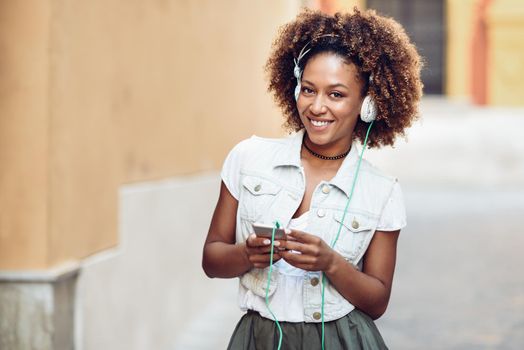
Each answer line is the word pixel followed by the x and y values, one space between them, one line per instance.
pixel 424 22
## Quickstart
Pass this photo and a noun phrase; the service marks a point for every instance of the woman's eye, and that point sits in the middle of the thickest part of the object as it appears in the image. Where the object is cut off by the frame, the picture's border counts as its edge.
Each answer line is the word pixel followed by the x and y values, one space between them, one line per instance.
pixel 307 90
pixel 336 94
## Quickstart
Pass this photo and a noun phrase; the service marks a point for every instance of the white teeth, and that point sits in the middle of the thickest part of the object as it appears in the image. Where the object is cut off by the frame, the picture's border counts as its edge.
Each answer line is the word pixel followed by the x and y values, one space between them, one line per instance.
pixel 318 123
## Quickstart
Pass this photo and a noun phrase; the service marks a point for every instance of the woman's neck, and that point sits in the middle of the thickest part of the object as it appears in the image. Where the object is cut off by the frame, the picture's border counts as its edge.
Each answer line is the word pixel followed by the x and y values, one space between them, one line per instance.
pixel 327 153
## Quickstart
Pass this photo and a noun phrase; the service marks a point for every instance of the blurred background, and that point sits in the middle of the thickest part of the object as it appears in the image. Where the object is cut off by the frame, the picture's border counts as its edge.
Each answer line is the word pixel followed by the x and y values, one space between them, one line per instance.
pixel 115 117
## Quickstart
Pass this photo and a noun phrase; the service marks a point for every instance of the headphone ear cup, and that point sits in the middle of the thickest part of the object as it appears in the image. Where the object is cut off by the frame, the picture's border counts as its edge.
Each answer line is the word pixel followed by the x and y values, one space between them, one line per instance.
pixel 297 90
pixel 368 111
pixel 298 74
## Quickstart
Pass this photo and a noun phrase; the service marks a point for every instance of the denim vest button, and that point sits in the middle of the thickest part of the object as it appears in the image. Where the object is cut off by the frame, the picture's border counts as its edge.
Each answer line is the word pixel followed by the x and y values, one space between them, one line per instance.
pixel 355 224
pixel 314 281
pixel 317 315
pixel 257 188
pixel 325 189
pixel 321 213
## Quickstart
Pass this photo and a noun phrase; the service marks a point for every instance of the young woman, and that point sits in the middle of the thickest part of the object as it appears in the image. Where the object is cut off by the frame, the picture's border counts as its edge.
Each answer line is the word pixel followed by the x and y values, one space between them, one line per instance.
pixel 339 80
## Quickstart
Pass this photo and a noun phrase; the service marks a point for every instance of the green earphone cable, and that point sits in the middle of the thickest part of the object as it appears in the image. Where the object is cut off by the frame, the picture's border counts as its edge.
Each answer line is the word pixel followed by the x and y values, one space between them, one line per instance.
pixel 324 280
pixel 277 225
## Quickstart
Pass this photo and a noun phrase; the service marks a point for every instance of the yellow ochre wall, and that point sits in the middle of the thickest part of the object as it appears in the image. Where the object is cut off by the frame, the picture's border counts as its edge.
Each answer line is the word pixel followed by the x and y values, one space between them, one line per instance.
pixel 506 53
pixel 95 94
pixel 459 22
pixel 505 50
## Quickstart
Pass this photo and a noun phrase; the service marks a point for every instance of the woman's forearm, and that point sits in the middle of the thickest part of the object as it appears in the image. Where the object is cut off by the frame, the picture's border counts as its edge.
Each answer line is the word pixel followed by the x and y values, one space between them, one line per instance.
pixel 365 292
pixel 225 260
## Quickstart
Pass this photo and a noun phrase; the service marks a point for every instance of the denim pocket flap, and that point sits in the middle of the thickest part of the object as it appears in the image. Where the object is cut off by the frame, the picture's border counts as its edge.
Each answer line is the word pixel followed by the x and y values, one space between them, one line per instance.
pixel 354 223
pixel 258 186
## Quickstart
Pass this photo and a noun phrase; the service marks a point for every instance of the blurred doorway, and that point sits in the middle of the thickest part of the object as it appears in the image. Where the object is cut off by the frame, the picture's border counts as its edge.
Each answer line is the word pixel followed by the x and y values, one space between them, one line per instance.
pixel 424 22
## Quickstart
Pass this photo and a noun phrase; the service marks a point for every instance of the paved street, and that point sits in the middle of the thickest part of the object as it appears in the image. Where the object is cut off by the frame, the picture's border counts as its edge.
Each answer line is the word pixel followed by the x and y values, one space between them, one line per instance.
pixel 459 282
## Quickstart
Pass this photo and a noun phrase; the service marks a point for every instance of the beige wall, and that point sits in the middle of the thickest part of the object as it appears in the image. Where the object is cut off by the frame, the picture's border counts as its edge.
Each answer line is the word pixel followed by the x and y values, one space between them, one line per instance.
pixel 100 93
pixel 24 133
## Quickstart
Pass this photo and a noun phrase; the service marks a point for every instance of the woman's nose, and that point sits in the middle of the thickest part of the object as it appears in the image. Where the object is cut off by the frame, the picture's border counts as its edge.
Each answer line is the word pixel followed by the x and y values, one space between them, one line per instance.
pixel 318 106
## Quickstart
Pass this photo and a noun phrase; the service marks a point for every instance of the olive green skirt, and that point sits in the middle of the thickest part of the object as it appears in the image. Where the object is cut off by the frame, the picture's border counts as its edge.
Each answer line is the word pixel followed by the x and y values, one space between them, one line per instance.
pixel 356 330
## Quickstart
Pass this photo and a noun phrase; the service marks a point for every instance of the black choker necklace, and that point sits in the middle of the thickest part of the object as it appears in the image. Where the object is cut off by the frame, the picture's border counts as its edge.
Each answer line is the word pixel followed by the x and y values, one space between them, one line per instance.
pixel 340 156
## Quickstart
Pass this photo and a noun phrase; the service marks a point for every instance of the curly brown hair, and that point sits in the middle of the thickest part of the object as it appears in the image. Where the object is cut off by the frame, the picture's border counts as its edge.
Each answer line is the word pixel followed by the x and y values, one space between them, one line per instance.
pixel 379 48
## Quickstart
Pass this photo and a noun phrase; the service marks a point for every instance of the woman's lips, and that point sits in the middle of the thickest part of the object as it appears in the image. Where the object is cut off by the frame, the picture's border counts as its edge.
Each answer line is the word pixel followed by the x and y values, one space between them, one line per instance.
pixel 320 124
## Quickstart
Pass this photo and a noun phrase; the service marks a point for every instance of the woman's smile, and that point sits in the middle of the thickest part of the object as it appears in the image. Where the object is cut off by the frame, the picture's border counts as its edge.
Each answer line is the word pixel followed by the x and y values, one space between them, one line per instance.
pixel 319 124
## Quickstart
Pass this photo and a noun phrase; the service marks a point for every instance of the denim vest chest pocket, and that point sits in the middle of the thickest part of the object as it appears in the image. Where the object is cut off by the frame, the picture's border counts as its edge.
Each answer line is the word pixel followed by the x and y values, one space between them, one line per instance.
pixel 355 234
pixel 257 195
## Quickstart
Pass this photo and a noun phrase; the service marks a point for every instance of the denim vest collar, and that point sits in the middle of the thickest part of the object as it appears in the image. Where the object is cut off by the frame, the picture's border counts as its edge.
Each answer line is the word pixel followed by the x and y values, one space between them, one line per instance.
pixel 344 175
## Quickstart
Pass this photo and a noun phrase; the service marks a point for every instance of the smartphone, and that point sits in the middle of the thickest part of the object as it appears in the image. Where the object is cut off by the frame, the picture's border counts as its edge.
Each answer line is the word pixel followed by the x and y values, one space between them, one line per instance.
pixel 262 230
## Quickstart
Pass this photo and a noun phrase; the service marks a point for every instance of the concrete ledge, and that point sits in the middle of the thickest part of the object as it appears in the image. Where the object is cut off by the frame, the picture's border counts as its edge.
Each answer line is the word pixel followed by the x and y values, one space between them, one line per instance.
pixel 37 308
pixel 55 274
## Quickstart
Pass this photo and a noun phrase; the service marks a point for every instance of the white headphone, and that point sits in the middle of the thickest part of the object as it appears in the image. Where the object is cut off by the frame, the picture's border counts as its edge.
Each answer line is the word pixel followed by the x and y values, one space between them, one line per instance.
pixel 368 111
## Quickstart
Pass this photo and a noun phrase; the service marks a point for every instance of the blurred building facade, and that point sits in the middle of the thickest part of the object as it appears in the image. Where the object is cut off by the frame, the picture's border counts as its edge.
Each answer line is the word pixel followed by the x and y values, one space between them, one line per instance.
pixel 472 48
pixel 96 96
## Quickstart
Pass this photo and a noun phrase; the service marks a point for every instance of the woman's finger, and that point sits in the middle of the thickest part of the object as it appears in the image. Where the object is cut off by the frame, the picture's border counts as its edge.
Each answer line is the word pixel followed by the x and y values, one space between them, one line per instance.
pixel 264 258
pixel 297 258
pixel 304 237
pixel 262 250
pixel 263 262
pixel 255 241
pixel 307 249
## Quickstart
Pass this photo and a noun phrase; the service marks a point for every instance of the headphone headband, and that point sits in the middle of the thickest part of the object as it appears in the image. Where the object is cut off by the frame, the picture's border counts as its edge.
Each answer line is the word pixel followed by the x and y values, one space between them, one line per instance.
pixel 302 53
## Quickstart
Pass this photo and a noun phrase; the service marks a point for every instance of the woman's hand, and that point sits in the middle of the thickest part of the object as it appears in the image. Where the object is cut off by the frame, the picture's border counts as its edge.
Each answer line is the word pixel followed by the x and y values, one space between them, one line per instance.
pixel 307 252
pixel 258 250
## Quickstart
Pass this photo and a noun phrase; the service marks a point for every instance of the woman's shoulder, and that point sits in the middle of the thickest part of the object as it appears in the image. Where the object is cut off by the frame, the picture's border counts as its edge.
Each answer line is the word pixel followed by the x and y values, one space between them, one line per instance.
pixel 379 181
pixel 375 172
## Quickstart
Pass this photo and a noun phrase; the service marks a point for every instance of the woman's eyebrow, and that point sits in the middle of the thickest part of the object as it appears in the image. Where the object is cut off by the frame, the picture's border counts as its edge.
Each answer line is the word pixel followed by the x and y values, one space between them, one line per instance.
pixel 329 86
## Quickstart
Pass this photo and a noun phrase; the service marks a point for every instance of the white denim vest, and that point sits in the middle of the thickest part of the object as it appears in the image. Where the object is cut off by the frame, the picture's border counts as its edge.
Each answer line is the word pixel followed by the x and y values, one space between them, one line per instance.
pixel 272 185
